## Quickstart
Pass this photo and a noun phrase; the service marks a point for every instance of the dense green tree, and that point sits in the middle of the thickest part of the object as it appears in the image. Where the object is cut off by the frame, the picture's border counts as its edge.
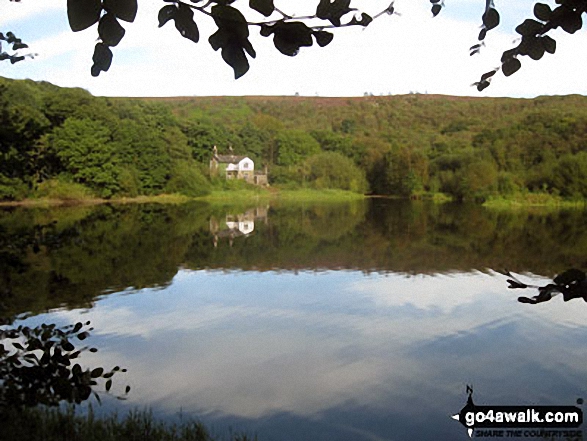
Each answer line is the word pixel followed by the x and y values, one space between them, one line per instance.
pixel 406 171
pixel 333 170
pixel 83 148
pixel 254 142
pixel 21 123
pixel 203 136
pixel 568 176
pixel 335 142
pixel 295 145
pixel 187 178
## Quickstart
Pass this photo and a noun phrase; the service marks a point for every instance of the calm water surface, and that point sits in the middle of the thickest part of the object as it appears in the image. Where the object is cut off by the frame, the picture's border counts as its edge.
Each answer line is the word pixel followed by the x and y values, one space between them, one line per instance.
pixel 355 321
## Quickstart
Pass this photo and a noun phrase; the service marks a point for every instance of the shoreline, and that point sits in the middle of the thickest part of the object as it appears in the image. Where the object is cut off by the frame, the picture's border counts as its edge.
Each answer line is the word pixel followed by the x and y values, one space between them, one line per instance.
pixel 298 195
pixel 220 196
pixel 44 202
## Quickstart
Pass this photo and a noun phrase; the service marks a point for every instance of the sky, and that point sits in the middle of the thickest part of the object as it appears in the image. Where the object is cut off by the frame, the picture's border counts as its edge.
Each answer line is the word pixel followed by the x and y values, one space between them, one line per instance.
pixel 410 52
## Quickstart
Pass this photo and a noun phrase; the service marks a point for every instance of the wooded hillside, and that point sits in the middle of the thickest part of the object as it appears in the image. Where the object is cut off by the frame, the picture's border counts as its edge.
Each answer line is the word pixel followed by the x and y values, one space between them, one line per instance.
pixel 64 141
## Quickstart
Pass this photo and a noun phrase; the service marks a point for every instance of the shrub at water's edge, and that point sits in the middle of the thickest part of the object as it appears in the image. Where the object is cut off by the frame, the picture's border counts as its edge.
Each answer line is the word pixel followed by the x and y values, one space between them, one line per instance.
pixel 527 199
pixel 64 190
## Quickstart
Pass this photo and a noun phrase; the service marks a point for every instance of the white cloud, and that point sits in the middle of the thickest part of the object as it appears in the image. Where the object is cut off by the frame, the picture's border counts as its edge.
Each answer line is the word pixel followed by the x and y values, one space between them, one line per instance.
pixel 27 9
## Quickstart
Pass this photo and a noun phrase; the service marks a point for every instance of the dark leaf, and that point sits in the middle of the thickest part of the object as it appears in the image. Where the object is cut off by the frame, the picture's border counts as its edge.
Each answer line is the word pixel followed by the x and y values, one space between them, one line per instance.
pixel 482 34
pixel 549 44
pixel 248 47
pixel 511 66
pixel 542 11
pixel 232 37
pixel 77 327
pixel 436 10
pixel 508 54
pixel 488 75
pixel 475 49
pixel 108 385
pixel 85 392
pixel 322 11
pixel 97 372
pixel 536 49
pixel 289 37
pixel 491 18
pixel 17 46
pixel 98 398
pixel 218 39
pixel 110 31
pixel 103 59
pixel 266 30
pixel 17 346
pixel 482 85
pixel 571 22
pixel 185 24
pixel 127 389
pixel 76 370
pixel 166 13
pixel 93 350
pixel 235 57
pixel 529 27
pixel 83 13
pixel 231 20
pixel 10 37
pixel 334 11
pixel 68 346
pixel 31 357
pixel 46 357
pixel 124 9
pixel 569 276
pixel 323 38
pixel 365 20
pixel 265 7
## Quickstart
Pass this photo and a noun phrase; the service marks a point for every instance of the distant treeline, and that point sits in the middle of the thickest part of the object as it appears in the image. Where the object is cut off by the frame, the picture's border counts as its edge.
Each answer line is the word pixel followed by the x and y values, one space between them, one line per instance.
pixel 59 142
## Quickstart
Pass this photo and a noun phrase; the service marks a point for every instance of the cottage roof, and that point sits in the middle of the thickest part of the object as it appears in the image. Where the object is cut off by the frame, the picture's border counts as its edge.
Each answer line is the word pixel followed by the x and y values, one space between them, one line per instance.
pixel 229 159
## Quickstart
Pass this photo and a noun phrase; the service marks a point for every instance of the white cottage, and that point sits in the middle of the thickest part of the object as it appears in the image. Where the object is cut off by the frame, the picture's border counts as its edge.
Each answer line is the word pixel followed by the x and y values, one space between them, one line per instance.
pixel 232 166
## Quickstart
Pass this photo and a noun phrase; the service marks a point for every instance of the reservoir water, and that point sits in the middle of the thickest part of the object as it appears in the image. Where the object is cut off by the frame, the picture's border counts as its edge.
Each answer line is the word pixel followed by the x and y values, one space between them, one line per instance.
pixel 342 321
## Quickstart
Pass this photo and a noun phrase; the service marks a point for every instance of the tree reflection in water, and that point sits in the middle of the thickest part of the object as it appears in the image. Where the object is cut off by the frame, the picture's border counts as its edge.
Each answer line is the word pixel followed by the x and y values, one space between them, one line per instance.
pixel 572 284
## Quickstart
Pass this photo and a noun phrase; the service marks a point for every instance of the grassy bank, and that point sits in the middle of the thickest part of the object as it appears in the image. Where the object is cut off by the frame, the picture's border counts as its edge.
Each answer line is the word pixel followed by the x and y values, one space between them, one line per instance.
pixel 265 195
pixel 249 196
pixel 523 200
pixel 57 425
pixel 51 202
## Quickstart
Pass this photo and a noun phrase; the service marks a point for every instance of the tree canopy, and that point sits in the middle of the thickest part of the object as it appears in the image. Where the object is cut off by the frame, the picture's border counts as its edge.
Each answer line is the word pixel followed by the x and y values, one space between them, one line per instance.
pixel 61 143
pixel 290 33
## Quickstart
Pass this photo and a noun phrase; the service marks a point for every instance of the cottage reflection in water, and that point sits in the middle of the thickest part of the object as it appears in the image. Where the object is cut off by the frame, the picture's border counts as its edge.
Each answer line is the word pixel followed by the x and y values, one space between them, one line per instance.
pixel 237 225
